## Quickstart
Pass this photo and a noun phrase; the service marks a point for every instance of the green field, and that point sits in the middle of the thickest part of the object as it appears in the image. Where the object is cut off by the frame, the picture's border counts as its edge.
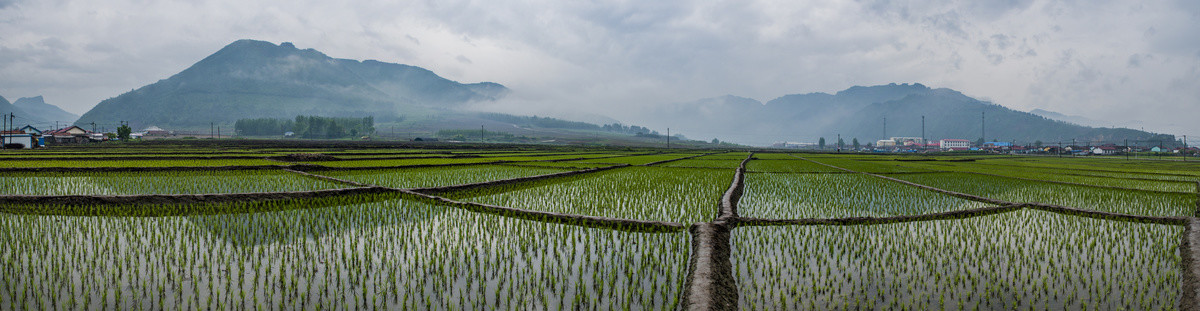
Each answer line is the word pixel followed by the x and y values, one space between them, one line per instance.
pixel 137 229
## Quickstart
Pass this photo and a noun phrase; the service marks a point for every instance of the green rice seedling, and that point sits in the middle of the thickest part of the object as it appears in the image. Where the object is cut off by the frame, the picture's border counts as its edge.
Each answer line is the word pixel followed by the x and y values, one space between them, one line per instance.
pixel 644 193
pixel 387 254
pixel 792 165
pixel 1108 200
pixel 1019 260
pixel 164 182
pixel 139 163
pixel 439 176
pixel 792 196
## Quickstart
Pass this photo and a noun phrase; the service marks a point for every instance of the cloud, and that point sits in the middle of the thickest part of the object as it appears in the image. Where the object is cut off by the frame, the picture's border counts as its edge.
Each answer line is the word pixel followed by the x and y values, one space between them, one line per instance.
pixel 1103 60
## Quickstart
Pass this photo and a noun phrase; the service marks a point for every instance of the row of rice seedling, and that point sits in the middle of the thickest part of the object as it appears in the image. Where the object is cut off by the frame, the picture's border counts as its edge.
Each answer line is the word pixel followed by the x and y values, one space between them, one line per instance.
pixel 1014 261
pixel 140 163
pixel 384 255
pixel 1064 176
pixel 1105 165
pixel 439 176
pixel 694 163
pixel 877 167
pixel 793 196
pixel 563 165
pixel 792 165
pixel 162 182
pixel 638 159
pixel 403 162
pixel 642 193
pixel 1100 199
pixel 435 161
pixel 167 156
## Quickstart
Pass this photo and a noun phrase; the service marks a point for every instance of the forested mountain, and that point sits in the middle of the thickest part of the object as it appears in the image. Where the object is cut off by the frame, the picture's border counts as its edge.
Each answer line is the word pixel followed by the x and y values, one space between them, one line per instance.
pixel 859 112
pixel 257 79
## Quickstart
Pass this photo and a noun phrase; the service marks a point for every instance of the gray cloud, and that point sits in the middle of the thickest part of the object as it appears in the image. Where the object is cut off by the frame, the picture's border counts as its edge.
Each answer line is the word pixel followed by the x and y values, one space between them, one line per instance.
pixel 1104 60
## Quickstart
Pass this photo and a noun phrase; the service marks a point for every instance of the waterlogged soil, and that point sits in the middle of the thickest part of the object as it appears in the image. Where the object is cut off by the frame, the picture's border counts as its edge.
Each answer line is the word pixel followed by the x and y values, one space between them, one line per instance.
pixel 1018 260
pixel 383 255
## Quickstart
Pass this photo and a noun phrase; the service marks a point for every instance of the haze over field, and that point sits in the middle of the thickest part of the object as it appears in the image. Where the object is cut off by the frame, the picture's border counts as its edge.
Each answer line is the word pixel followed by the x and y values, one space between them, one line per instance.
pixel 1122 63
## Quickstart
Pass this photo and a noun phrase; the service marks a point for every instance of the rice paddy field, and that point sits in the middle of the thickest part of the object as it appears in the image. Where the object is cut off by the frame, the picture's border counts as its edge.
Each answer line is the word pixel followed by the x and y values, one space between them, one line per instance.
pixel 203 227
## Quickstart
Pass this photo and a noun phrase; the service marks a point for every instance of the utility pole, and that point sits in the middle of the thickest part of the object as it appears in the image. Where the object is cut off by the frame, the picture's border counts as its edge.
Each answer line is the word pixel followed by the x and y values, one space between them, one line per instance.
pixel 1127 149
pixel 1072 147
pixel 93 127
pixel 481 133
pixel 668 138
pixel 922 133
pixel 218 132
pixel 1059 149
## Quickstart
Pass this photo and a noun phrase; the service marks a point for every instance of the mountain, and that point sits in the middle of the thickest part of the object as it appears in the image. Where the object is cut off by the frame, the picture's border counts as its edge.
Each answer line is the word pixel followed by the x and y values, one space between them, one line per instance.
pixel 1066 118
pixel 859 112
pixel 257 79
pixel 36 108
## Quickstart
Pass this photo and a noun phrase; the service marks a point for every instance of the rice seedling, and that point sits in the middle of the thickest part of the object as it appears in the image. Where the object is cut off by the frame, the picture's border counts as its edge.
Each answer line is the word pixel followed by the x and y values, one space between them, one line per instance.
pixel 389 254
pixel 643 193
pixel 1019 260
pixel 138 163
pixel 1108 200
pixel 791 196
pixel 439 176
pixel 165 182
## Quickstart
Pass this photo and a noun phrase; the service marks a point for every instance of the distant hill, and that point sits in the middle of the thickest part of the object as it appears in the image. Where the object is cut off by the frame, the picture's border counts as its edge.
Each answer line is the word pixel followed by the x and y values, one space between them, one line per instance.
pixel 36 108
pixel 1066 118
pixel 859 112
pixel 256 79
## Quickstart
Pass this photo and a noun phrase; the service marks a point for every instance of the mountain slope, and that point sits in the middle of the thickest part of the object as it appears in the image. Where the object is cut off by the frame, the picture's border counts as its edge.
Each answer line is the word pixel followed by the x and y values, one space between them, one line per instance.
pixel 859 112
pixel 253 79
pixel 36 108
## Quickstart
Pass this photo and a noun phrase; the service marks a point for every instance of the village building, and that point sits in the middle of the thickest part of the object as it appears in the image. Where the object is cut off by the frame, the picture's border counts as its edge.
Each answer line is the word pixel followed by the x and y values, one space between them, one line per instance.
pixel 952 144
pixel 68 135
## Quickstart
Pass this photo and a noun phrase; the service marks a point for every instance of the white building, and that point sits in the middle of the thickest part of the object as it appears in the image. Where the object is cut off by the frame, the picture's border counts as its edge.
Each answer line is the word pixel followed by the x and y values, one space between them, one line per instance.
pixel 947 144
pixel 885 143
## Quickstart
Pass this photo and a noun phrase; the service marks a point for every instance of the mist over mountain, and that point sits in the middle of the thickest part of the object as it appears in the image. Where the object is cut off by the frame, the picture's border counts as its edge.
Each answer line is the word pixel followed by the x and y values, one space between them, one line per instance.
pixel 258 79
pixel 859 112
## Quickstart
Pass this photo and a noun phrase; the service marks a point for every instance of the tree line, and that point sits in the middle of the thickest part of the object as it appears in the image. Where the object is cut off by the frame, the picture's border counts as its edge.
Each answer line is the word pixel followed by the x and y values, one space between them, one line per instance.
pixel 307 127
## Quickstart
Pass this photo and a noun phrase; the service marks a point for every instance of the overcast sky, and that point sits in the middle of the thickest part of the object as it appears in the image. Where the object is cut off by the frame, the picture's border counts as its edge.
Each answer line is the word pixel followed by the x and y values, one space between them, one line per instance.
pixel 1118 61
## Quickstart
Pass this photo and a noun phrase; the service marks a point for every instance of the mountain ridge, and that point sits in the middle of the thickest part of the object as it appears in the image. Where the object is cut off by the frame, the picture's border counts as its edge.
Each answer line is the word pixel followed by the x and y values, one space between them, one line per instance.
pixel 859 112
pixel 256 79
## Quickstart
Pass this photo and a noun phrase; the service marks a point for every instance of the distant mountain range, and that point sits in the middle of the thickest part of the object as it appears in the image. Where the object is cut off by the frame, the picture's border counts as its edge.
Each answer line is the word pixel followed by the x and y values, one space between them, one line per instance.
pixel 256 79
pixel 860 112
pixel 35 111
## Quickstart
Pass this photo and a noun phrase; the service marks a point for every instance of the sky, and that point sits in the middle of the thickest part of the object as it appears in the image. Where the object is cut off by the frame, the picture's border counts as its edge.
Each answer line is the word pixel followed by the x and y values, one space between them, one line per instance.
pixel 1128 63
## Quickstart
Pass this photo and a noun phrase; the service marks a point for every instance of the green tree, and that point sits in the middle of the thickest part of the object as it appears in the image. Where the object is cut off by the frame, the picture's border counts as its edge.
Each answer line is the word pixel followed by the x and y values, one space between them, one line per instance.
pixel 979 142
pixel 715 141
pixel 855 142
pixel 821 143
pixel 1038 144
pixel 123 132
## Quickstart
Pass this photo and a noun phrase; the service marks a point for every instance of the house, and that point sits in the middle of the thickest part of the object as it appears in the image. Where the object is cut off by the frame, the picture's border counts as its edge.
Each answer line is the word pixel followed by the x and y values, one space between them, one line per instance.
pixel 67 135
pixel 1106 150
pixel 950 144
pixel 11 138
pixel 154 131
pixel 29 129
pixel 885 143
